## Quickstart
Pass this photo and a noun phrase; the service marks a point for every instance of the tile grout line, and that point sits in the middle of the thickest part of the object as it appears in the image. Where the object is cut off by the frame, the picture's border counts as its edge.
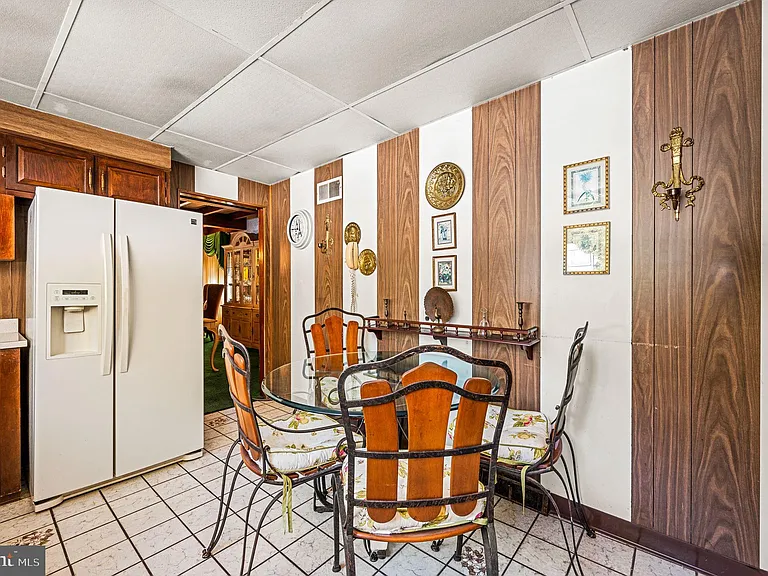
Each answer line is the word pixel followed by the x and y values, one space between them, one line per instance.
pixel 141 560
pixel 61 541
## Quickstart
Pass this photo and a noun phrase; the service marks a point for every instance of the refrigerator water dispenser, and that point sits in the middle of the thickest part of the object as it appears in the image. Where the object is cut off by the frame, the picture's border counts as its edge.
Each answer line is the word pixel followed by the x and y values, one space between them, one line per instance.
pixel 74 320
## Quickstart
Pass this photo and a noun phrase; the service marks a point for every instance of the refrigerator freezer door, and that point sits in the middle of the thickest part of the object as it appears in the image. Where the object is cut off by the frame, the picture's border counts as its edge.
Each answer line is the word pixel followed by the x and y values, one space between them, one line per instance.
pixel 159 335
pixel 71 399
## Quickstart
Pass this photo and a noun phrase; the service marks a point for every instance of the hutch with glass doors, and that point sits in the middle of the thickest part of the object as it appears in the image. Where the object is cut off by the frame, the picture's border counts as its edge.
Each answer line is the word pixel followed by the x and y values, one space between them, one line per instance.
pixel 240 311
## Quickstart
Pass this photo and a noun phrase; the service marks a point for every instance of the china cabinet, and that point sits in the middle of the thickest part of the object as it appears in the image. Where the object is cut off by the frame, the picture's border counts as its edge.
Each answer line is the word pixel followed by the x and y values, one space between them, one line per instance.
pixel 241 310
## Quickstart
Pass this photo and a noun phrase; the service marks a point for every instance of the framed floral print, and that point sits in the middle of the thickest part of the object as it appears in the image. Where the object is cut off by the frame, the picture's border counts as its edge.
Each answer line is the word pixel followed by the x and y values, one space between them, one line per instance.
pixel 444 231
pixel 444 272
pixel 586 186
pixel 587 248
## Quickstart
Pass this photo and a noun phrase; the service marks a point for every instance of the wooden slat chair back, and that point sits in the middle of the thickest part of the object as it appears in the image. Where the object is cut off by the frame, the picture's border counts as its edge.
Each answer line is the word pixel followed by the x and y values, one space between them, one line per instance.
pixel 429 391
pixel 329 338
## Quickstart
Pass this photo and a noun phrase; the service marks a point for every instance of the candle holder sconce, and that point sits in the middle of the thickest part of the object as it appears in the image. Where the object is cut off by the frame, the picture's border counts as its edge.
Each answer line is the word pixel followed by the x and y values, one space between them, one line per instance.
pixel 328 242
pixel 673 190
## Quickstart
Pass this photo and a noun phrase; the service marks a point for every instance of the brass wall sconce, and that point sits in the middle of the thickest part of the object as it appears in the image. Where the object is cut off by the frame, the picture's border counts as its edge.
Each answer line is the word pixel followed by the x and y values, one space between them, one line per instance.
pixel 328 242
pixel 673 189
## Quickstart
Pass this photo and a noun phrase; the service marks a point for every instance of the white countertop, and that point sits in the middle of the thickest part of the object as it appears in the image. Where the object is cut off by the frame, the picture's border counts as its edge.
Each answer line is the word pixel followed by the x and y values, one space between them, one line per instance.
pixel 9 334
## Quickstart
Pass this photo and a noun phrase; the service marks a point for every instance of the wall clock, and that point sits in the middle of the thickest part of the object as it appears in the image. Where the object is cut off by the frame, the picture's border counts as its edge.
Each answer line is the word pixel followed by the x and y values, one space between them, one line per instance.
pixel 299 229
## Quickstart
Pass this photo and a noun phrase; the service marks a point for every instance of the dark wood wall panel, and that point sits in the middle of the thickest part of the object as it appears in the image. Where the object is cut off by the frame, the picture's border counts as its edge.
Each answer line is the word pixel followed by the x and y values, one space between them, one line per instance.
pixel 643 281
pixel 329 282
pixel 280 274
pixel 13 273
pixel 528 235
pixel 398 233
pixel 672 358
pixel 506 141
pixel 726 282
pixel 182 178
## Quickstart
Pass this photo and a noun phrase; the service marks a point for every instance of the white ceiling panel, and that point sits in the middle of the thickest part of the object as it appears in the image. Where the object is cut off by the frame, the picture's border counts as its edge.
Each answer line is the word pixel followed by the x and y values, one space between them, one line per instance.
pixel 139 59
pixel 193 151
pixel 11 92
pixel 528 54
pixel 258 106
pixel 352 48
pixel 258 170
pixel 28 29
pixel 345 132
pixel 246 23
pixel 611 24
pixel 94 116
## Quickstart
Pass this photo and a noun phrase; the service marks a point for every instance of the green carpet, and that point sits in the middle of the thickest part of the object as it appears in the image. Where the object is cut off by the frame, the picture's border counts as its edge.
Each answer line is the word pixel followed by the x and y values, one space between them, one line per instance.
pixel 215 383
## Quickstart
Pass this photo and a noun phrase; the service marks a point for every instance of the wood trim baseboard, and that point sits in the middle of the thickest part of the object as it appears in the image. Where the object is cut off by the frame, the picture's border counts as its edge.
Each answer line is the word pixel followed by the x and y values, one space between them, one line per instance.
pixel 686 553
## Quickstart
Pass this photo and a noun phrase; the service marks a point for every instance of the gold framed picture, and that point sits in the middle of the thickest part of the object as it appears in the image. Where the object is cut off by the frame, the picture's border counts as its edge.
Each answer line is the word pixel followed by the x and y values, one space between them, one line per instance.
pixel 586 186
pixel 444 272
pixel 587 248
pixel 444 231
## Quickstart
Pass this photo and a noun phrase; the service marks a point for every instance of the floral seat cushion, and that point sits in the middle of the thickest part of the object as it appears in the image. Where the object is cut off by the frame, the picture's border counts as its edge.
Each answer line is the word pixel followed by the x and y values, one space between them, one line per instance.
pixel 523 438
pixel 402 522
pixel 302 450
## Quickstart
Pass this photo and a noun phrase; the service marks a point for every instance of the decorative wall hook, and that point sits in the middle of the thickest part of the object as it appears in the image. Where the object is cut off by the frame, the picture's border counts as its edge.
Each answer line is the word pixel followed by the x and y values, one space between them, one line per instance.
pixel 328 242
pixel 673 189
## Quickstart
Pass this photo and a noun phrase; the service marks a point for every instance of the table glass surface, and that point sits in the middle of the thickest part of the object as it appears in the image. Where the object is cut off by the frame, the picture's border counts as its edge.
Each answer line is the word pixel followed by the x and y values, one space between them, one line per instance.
pixel 312 385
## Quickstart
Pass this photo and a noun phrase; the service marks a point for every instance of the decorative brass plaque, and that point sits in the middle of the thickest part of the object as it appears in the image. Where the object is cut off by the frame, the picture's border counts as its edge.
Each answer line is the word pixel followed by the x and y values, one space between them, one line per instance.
pixel 352 233
pixel 367 262
pixel 445 185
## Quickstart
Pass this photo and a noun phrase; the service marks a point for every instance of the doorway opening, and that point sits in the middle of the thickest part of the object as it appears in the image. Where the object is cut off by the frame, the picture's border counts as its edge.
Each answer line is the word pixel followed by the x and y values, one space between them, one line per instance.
pixel 233 288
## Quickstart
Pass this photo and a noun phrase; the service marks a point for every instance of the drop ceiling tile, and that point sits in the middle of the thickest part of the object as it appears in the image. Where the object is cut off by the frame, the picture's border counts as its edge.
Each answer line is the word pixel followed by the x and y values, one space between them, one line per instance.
pixel 246 23
pixel 258 170
pixel 528 54
pixel 28 30
pixel 140 60
pixel 11 92
pixel 258 106
pixel 191 151
pixel 611 24
pixel 89 115
pixel 352 48
pixel 340 134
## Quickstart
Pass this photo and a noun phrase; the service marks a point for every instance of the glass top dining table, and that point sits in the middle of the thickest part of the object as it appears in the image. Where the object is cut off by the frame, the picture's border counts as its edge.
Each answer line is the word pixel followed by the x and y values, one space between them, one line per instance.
pixel 311 384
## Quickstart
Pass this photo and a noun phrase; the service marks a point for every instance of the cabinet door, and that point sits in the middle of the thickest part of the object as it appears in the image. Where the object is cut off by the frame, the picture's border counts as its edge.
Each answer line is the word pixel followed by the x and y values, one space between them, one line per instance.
pixel 30 163
pixel 128 181
pixel 7 228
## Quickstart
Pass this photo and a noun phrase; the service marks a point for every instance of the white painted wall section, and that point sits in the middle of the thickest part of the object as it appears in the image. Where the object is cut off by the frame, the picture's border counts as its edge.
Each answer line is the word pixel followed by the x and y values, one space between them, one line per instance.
pixel 302 264
pixel 360 198
pixel 586 113
pixel 215 183
pixel 447 140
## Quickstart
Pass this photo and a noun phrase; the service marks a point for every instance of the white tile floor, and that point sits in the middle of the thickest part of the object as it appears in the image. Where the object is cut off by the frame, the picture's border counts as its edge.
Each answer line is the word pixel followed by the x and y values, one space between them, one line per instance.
pixel 159 523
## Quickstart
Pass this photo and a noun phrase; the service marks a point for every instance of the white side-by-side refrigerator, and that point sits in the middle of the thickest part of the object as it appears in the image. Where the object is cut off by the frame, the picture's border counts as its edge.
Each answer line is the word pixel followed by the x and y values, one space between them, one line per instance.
pixel 114 318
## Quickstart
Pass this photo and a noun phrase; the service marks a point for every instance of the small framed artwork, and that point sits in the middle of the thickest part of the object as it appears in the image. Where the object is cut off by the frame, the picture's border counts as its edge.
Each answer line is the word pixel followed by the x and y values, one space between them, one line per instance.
pixel 586 186
pixel 587 248
pixel 444 272
pixel 444 231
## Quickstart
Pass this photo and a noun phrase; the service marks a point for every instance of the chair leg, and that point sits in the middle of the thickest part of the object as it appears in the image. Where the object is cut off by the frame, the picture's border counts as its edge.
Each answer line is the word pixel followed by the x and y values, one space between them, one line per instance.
pixel 459 547
pixel 336 563
pixel 221 520
pixel 216 341
pixel 247 518
pixel 258 530
pixel 577 491
pixel 349 553
pixel 570 515
pixel 489 546
pixel 436 545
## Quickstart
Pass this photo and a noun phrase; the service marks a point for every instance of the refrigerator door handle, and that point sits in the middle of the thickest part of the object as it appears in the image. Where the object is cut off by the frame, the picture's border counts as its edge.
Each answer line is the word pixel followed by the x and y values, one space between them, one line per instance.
pixel 125 303
pixel 107 337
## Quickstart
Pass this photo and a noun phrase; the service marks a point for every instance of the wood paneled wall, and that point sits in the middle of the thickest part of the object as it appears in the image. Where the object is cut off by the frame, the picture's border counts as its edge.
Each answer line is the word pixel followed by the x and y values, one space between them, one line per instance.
pixel 13 273
pixel 398 234
pixel 329 282
pixel 182 178
pixel 279 275
pixel 506 227
pixel 696 287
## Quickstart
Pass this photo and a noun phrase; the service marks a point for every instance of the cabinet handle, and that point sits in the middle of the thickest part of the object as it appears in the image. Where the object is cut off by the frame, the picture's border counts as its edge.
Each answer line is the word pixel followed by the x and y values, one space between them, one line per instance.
pixel 103 182
pixel 3 150
pixel 90 179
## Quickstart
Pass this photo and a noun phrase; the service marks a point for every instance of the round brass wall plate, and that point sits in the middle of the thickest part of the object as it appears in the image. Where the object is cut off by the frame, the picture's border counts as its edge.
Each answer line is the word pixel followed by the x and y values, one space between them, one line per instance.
pixel 445 185
pixel 352 233
pixel 438 299
pixel 367 262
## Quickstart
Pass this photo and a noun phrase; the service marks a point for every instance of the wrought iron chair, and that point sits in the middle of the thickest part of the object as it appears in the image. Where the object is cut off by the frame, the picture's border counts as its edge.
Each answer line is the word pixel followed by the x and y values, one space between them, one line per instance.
pixel 269 449
pixel 530 447
pixel 427 492
pixel 329 337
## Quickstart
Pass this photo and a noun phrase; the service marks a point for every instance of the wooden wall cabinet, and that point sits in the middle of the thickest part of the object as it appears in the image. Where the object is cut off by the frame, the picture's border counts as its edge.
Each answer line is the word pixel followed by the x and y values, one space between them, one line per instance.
pixel 7 227
pixel 30 163
pixel 128 181
pixel 240 312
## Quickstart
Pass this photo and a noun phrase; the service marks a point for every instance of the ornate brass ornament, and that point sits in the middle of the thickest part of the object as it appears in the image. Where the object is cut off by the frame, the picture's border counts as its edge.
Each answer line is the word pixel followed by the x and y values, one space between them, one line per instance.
pixel 328 242
pixel 673 188
pixel 352 233
pixel 445 185
pixel 367 262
